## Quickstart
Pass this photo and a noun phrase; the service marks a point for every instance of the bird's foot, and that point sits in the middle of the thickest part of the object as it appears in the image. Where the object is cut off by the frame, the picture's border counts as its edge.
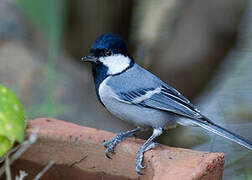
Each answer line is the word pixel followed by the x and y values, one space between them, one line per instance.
pixel 111 144
pixel 140 154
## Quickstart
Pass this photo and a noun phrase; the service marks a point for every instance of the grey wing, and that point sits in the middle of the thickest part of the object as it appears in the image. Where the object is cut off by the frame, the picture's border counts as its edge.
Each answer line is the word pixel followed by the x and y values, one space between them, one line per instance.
pixel 162 98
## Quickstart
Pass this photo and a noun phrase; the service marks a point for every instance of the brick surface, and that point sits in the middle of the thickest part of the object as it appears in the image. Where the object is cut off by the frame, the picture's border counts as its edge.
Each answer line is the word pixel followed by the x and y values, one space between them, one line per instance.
pixel 78 153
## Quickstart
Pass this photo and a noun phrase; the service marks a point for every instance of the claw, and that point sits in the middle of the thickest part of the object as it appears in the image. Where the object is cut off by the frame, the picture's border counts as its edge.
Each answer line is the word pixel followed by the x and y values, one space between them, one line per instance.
pixel 139 172
pixel 111 144
pixel 107 153
pixel 145 147
pixel 106 143
pixel 139 166
pixel 109 149
pixel 139 161
pixel 140 154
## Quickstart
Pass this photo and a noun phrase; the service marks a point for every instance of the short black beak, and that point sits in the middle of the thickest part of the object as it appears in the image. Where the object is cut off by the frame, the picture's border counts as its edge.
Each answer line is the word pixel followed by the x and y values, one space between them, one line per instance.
pixel 89 58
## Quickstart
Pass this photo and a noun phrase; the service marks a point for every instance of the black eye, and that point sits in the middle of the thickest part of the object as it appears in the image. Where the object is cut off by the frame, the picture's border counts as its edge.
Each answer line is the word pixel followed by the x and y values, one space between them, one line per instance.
pixel 108 53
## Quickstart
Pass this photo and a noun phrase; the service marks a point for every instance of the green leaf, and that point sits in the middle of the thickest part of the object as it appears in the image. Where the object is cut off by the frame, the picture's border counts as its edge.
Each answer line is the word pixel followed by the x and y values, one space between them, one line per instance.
pixel 12 120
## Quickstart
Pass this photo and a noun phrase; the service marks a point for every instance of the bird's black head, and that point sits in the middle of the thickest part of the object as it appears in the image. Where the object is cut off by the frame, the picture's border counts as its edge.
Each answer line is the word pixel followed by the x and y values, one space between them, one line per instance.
pixel 106 45
pixel 109 56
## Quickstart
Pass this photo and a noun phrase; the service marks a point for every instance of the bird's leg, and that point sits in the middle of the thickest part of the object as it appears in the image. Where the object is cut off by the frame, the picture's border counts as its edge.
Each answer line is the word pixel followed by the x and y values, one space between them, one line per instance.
pixel 145 147
pixel 110 145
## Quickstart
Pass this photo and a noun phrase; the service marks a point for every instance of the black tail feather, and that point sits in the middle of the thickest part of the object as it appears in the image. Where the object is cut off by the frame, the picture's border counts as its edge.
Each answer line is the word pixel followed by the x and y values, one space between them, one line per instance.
pixel 210 126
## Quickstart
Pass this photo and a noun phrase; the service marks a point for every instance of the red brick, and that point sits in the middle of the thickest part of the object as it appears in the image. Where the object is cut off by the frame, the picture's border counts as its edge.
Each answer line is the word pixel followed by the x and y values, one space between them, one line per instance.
pixel 78 153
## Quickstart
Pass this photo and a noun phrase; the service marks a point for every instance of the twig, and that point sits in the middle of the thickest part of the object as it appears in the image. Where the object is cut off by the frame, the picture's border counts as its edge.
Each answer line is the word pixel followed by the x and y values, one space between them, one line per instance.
pixel 7 167
pixel 25 145
pixel 39 175
pixel 22 175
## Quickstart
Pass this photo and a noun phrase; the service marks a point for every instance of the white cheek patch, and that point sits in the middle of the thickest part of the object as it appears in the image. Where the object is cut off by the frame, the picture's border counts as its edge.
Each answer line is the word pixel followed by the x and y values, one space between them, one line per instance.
pixel 115 63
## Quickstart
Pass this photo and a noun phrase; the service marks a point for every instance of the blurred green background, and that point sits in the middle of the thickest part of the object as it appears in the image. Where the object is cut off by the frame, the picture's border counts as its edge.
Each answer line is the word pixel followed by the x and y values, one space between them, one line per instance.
pixel 202 48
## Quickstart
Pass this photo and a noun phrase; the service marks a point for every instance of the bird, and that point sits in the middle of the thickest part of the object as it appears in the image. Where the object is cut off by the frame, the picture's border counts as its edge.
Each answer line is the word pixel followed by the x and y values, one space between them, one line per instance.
pixel 134 94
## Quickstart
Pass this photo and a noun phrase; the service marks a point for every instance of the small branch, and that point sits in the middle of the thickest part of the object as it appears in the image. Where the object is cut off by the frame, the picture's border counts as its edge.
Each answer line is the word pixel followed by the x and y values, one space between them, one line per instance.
pixel 39 175
pixel 7 167
pixel 25 145
pixel 22 175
